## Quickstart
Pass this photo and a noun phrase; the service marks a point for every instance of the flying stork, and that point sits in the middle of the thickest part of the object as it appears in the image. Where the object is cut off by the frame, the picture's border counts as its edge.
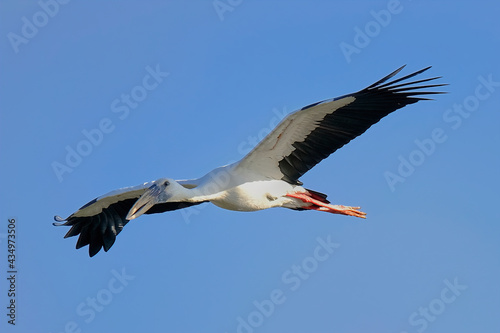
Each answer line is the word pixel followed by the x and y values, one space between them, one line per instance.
pixel 267 177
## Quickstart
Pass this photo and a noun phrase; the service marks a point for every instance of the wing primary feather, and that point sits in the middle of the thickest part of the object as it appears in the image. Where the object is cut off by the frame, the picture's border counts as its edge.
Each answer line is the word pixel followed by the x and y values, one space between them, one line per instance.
pixel 401 79
pixel 382 80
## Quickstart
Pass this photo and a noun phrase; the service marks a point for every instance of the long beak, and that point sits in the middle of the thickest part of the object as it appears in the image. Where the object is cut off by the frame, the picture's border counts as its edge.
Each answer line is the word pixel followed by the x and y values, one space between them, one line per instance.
pixel 147 200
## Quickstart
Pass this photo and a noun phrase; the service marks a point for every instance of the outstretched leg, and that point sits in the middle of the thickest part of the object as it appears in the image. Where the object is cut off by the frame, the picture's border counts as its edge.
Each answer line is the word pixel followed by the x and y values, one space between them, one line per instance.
pixel 325 207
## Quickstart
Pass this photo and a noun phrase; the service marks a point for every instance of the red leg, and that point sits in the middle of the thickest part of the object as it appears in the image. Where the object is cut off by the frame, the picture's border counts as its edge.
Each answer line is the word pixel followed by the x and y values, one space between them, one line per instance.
pixel 324 207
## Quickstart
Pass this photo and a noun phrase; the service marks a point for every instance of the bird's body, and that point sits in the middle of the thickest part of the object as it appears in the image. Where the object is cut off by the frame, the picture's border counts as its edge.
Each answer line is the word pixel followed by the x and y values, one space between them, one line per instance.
pixel 255 195
pixel 232 188
pixel 267 177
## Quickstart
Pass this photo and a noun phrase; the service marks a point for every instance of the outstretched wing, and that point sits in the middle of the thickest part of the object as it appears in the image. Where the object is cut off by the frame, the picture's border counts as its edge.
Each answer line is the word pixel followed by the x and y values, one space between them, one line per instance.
pixel 307 136
pixel 102 219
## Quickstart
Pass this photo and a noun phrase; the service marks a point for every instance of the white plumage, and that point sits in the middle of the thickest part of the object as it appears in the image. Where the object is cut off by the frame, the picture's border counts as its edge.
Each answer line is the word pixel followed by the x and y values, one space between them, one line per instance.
pixel 265 178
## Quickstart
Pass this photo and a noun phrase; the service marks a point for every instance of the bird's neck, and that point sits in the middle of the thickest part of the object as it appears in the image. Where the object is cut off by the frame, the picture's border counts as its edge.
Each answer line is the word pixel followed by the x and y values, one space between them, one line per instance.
pixel 190 191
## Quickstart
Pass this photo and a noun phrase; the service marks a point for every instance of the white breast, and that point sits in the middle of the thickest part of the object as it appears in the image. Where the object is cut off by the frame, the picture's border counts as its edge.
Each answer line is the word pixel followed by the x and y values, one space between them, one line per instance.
pixel 256 195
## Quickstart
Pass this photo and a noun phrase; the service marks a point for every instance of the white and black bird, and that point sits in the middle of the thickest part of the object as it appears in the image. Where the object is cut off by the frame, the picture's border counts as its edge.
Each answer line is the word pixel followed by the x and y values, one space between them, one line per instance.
pixel 268 176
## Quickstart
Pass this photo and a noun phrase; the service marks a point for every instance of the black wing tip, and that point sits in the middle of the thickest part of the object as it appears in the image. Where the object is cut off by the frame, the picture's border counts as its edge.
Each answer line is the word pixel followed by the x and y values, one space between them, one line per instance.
pixel 98 231
pixel 93 250
pixel 405 88
pixel 387 77
pixel 59 221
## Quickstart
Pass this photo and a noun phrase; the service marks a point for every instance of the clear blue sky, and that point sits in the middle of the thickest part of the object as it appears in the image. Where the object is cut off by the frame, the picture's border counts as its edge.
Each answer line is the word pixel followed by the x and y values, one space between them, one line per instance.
pixel 101 95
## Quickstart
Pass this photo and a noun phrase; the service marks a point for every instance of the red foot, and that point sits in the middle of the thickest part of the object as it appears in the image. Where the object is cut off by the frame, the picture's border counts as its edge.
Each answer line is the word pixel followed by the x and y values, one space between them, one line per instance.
pixel 325 207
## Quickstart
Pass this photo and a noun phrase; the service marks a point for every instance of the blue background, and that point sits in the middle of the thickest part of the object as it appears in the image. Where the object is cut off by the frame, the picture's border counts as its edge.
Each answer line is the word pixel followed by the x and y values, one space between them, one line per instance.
pixel 234 68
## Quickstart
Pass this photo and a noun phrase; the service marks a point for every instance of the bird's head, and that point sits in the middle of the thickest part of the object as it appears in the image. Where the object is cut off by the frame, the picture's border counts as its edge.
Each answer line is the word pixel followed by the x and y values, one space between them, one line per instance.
pixel 163 190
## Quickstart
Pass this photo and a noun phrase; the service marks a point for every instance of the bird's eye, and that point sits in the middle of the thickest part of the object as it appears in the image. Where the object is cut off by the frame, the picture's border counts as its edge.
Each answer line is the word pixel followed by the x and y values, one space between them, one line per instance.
pixel 166 183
